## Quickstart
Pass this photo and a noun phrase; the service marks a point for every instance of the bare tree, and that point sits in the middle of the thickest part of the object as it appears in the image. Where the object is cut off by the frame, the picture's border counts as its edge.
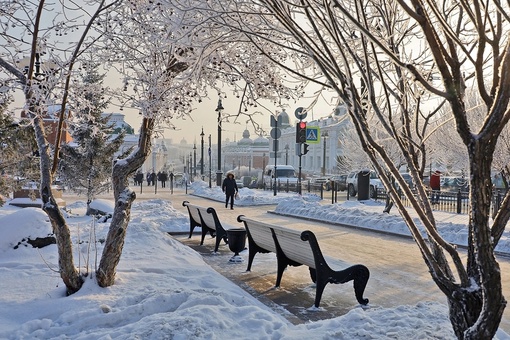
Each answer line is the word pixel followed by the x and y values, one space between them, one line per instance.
pixel 170 55
pixel 41 62
pixel 400 62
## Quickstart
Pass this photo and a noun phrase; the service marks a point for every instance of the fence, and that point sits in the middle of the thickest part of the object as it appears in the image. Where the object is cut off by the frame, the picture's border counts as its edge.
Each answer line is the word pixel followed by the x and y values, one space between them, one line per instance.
pixel 306 186
pixel 320 189
pixel 454 202
pixel 281 186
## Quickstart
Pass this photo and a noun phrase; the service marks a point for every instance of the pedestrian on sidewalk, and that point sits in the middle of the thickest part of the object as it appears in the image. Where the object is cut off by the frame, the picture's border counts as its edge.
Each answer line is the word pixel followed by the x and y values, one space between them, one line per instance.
pixel 435 185
pixel 229 187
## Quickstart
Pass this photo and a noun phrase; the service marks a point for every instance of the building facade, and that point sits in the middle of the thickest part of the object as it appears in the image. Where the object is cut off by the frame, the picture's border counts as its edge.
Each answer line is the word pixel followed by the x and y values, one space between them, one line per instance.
pixel 249 156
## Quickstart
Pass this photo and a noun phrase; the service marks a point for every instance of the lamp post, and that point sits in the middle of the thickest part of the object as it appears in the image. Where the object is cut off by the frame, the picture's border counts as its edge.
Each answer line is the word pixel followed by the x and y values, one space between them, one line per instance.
pixel 194 159
pixel 210 161
pixel 324 136
pixel 286 154
pixel 41 69
pixel 190 166
pixel 219 109
pixel 202 154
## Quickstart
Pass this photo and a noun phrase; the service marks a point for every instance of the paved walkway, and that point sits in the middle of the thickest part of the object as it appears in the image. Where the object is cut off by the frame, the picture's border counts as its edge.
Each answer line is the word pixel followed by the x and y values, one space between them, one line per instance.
pixel 398 274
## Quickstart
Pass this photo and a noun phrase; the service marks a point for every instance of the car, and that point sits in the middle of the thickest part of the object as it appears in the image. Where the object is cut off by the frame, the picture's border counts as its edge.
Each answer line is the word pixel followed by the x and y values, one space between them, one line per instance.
pixel 286 175
pixel 239 183
pixel 340 182
pixel 407 178
pixel 317 182
pixel 454 184
pixel 498 182
pixel 374 183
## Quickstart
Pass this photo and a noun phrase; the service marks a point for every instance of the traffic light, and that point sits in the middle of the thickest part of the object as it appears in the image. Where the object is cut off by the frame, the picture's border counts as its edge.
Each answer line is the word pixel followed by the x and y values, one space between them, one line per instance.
pixel 305 149
pixel 301 132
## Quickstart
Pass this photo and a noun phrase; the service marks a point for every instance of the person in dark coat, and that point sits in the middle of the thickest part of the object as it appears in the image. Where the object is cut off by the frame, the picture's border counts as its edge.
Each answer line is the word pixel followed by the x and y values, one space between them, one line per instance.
pixel 229 187
pixel 164 178
pixel 171 182
pixel 154 180
pixel 139 178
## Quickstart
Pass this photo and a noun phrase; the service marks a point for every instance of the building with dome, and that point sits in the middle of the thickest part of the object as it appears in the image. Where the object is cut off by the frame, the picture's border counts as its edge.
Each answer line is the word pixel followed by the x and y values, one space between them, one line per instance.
pixel 284 120
pixel 322 156
pixel 255 154
pixel 246 153
pixel 250 155
pixel 118 122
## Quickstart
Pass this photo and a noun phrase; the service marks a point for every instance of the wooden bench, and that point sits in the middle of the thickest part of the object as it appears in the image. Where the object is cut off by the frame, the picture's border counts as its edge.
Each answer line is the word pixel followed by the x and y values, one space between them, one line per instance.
pixel 295 248
pixel 207 219
pixel 194 216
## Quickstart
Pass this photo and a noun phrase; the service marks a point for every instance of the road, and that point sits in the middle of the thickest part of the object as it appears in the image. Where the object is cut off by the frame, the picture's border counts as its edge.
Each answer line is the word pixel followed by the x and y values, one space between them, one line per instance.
pixel 398 274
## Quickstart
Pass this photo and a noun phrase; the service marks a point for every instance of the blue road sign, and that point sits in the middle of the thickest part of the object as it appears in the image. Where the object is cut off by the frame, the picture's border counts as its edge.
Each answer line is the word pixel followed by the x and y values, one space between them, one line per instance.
pixel 312 134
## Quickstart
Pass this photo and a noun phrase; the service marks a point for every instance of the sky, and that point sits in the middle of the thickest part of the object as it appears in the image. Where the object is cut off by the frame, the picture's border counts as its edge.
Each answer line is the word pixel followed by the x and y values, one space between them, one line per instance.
pixel 163 291
pixel 205 116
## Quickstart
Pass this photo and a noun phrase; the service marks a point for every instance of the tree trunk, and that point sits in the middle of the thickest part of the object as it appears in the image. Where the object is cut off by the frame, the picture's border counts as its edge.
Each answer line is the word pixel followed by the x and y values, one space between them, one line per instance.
pixel 124 198
pixel 476 311
pixel 68 272
pixel 115 239
pixel 71 277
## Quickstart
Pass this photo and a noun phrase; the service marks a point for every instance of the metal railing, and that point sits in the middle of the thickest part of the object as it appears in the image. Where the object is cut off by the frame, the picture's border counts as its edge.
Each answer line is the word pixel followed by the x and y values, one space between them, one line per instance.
pixel 454 202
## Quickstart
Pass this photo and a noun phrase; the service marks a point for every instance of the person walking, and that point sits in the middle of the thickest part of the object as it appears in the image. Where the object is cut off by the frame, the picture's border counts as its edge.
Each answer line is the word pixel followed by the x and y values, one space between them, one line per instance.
pixel 435 185
pixel 229 187
pixel 164 178
pixel 154 180
pixel 171 182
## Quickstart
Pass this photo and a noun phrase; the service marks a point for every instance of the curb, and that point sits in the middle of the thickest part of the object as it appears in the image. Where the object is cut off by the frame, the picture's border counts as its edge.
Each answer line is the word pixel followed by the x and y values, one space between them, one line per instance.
pixel 383 232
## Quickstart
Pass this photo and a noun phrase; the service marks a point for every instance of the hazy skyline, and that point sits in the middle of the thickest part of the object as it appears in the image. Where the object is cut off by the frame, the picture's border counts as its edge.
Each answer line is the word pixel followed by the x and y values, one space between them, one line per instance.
pixel 205 116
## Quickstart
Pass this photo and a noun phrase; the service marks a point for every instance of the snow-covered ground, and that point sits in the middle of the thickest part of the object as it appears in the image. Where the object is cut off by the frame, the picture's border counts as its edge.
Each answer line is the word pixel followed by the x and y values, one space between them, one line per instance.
pixel 164 290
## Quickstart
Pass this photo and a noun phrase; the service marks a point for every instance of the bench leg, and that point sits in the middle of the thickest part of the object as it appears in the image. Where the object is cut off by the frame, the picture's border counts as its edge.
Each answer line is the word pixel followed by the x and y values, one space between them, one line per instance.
pixel 251 256
pixel 253 249
pixel 282 265
pixel 204 232
pixel 359 273
pixel 191 227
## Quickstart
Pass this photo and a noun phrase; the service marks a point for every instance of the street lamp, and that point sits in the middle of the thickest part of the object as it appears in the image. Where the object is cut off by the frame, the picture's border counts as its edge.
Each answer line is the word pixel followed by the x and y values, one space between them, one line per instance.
pixel 41 69
pixel 324 136
pixel 219 109
pixel 202 154
pixel 190 166
pixel 286 154
pixel 210 161
pixel 194 160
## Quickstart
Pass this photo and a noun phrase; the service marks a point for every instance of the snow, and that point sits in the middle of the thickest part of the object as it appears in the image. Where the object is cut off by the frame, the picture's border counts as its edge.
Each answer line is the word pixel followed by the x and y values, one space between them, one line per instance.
pixel 164 290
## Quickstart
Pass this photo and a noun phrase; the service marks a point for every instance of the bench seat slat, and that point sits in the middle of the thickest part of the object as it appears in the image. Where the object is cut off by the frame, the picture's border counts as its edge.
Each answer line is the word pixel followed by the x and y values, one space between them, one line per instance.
pixel 294 248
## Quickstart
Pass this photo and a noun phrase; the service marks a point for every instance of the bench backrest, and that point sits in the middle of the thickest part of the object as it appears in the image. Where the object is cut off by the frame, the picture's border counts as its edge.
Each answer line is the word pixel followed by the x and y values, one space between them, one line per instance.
pixel 294 247
pixel 260 233
pixel 193 210
pixel 208 218
pixel 289 240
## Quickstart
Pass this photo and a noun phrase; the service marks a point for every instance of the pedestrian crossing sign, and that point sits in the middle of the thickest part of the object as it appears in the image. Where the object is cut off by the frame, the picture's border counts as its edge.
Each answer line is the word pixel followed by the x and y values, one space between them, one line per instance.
pixel 313 135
